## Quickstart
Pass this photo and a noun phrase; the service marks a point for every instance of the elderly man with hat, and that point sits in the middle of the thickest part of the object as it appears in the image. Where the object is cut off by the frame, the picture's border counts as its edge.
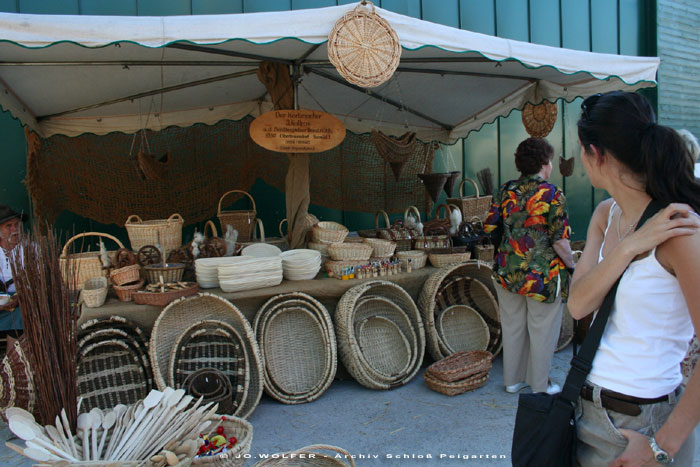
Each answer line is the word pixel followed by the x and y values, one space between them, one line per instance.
pixel 10 229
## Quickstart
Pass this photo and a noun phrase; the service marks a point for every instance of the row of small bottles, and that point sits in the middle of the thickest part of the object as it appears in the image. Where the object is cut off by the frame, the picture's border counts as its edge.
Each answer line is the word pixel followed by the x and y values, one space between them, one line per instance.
pixel 376 269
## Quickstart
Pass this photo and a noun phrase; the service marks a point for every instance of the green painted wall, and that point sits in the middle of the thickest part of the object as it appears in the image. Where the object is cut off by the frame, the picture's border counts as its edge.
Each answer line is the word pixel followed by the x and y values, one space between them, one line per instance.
pixel 611 26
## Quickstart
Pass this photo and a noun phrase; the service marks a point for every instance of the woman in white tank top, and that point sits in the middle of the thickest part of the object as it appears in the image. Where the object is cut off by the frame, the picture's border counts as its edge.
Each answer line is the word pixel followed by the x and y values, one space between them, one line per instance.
pixel 629 410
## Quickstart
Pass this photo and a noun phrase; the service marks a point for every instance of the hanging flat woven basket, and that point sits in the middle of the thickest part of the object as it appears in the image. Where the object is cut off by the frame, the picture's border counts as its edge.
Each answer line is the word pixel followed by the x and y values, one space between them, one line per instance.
pixel 16 380
pixel 363 47
pixel 539 119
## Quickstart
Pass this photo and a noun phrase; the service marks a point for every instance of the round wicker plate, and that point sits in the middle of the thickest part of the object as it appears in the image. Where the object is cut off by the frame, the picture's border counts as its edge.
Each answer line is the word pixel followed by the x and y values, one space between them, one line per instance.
pixel 384 346
pixel 294 347
pixel 460 327
pixel 364 48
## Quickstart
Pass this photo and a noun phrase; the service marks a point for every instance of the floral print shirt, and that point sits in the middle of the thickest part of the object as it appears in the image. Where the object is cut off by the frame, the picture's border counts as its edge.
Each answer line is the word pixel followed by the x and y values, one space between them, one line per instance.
pixel 531 214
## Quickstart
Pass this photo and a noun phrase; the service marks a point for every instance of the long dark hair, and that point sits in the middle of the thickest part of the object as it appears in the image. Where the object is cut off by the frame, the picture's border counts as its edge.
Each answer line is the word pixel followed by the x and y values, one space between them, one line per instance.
pixel 624 124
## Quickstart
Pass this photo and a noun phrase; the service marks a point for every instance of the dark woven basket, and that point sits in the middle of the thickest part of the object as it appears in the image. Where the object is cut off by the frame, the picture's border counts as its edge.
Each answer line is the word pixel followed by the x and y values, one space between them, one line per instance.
pixel 210 345
pixel 213 386
pixel 110 373
pixel 16 379
pixel 434 183
pixel 461 365
pixel 457 387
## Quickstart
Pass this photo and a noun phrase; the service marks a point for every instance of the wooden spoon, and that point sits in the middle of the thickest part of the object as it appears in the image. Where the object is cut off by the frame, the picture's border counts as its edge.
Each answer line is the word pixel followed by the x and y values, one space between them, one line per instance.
pixel 12 412
pixel 97 417
pixel 107 423
pixel 123 417
pixel 162 423
pixel 28 433
pixel 151 400
pixel 33 448
pixel 69 433
pixel 84 424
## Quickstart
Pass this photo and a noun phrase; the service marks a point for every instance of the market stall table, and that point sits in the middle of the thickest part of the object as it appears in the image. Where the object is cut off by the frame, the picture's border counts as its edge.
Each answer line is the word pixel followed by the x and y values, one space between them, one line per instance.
pixel 326 290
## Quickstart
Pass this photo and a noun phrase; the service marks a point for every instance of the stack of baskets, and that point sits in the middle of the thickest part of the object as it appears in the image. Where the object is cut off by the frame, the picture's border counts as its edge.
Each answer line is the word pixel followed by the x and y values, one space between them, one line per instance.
pixel 113 364
pixel 380 334
pixel 126 281
pixel 460 372
pixel 460 310
pixel 221 339
pixel 298 347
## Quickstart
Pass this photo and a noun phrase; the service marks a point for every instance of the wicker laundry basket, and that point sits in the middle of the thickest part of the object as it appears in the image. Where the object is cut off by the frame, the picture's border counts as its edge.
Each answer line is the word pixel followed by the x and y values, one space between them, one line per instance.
pixel 164 232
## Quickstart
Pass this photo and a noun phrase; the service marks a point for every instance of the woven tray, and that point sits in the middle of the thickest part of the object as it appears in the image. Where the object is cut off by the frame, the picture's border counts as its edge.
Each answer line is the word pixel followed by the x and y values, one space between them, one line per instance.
pixel 116 322
pixel 460 327
pixel 348 347
pixel 461 365
pixel 177 316
pixel 109 373
pixel 328 348
pixel 456 387
pixel 215 345
pixel 164 298
pixel 212 386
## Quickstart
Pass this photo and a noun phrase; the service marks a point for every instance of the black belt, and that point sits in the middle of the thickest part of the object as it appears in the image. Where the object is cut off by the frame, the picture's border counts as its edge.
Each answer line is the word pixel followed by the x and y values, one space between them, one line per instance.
pixel 621 403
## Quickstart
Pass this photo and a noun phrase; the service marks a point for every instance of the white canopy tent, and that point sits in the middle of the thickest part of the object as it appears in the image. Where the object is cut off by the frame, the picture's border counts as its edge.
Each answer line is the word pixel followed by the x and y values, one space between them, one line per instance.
pixel 98 74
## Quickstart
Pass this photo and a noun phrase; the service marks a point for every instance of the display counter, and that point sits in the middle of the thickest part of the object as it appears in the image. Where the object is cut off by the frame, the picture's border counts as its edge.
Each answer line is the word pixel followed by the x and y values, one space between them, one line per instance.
pixel 326 290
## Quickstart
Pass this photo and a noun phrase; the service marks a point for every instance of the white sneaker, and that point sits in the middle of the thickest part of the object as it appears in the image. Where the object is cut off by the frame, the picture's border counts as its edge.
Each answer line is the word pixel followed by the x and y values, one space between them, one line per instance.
pixel 553 388
pixel 517 387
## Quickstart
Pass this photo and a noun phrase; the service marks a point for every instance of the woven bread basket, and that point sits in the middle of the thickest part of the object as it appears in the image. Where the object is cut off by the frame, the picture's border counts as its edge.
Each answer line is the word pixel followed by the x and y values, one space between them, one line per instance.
pixel 175 318
pixel 418 258
pixel 309 456
pixel 461 365
pixel 350 251
pixel 474 205
pixel 241 220
pixel 236 456
pixel 363 47
pixel 382 248
pixel 86 264
pixel 329 232
pixel 162 299
pixel 164 232
pixel 94 292
pixel 348 346
pixel 440 260
pixel 164 273
pixel 125 275
pixel 539 119
pixel 456 387
pixel 280 382
pixel 125 292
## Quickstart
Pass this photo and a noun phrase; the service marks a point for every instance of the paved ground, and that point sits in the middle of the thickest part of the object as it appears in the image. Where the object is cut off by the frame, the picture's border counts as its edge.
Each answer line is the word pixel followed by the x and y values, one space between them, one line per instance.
pixel 390 428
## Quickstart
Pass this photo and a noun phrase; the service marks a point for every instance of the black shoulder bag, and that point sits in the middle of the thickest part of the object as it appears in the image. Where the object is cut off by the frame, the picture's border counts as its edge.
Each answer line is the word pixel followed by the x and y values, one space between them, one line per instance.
pixel 545 425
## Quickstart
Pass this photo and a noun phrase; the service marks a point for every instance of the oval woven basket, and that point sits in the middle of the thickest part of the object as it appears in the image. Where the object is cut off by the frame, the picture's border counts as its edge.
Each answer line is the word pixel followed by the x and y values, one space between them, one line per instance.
pixel 381 247
pixel 461 327
pixel 363 47
pixel 164 273
pixel 383 346
pixel 350 251
pixel 461 365
pixel 348 346
pixel 309 456
pixel 164 232
pixel 177 316
pixel 470 284
pixel 16 379
pixel 473 205
pixel 456 387
pixel 418 258
pixel 125 275
pixel 539 119
pixel 297 341
pixel 329 232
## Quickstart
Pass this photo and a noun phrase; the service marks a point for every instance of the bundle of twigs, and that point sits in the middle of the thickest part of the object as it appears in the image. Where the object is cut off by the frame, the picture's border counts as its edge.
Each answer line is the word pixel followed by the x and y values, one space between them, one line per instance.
pixel 49 314
pixel 486 180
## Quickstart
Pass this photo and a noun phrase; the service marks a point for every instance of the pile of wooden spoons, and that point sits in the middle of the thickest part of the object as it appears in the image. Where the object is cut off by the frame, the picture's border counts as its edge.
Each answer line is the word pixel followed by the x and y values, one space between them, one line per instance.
pixel 159 429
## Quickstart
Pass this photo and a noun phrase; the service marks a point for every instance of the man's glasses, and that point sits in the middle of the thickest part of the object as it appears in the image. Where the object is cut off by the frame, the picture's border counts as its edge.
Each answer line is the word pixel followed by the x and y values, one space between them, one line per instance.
pixel 588 104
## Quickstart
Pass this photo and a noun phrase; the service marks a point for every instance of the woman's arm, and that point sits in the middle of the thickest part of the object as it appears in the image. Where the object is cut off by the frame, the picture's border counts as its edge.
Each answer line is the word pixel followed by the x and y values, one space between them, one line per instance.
pixel 593 280
pixel 563 249
pixel 682 254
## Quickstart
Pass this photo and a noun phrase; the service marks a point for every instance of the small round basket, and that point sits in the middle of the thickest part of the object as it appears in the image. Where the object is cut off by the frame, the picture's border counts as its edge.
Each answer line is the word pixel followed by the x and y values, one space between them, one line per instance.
pixel 125 275
pixel 363 47
pixel 329 232
pixel 350 251
pixel 94 292
pixel 382 248
pixel 236 427
pixel 169 272
pixel 125 293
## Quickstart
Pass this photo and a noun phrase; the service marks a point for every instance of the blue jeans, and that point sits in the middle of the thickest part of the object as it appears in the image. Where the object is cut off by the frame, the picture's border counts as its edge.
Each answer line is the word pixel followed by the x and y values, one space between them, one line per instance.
pixel 599 437
pixel 10 320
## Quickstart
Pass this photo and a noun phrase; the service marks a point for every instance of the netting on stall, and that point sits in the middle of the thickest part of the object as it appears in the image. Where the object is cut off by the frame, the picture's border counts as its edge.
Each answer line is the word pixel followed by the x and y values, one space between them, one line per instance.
pixel 186 170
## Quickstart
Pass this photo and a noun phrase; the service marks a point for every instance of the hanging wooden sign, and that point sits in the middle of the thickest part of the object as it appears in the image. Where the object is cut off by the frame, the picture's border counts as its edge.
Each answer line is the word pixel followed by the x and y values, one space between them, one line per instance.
pixel 297 131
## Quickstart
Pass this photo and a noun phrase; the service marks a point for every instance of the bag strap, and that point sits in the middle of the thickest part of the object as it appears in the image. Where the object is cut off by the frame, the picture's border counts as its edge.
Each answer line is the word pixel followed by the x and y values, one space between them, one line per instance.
pixel 582 362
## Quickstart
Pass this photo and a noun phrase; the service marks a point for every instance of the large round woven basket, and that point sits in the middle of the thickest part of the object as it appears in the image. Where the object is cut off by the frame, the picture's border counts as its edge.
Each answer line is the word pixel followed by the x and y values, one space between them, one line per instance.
pixel 460 284
pixel 363 47
pixel 352 310
pixel 176 318
pixel 309 456
pixel 539 119
pixel 236 427
pixel 297 342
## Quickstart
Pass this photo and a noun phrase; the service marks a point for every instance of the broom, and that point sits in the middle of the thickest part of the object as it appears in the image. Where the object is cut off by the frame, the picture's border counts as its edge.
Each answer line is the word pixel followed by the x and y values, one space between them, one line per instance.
pixel 486 180
pixel 49 316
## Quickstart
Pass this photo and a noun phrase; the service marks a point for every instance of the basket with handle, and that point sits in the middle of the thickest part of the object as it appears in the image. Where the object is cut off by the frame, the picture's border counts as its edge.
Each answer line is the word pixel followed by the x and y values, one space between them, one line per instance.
pixel 86 264
pixel 241 220
pixel 396 232
pixel 474 205
pixel 279 242
pixel 166 232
